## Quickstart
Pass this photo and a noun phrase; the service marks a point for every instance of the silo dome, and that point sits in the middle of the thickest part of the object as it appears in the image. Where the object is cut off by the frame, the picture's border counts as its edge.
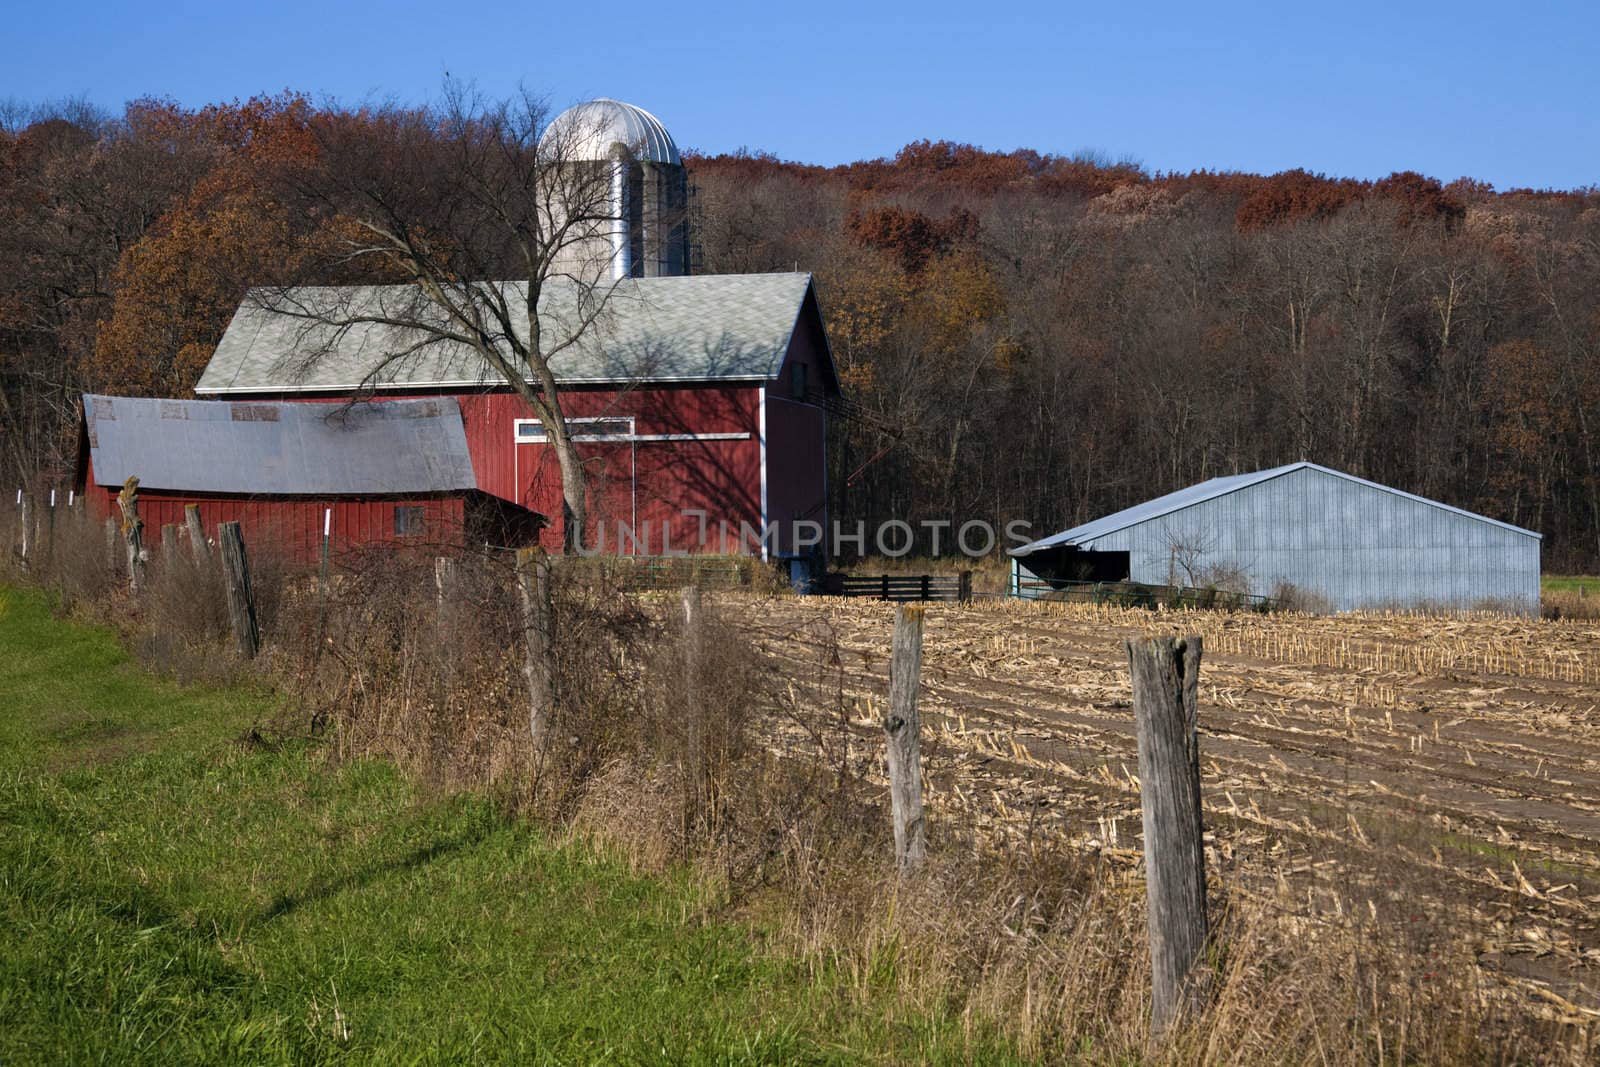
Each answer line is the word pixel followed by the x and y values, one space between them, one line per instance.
pixel 598 126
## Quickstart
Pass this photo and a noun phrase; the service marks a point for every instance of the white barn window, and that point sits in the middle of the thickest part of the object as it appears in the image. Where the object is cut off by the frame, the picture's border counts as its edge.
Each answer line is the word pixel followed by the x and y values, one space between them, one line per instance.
pixel 583 428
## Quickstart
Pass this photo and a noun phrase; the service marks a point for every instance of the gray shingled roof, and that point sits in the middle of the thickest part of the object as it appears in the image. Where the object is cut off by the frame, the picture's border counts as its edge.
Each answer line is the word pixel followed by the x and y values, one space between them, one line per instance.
pixel 699 328
pixel 210 446
pixel 1209 490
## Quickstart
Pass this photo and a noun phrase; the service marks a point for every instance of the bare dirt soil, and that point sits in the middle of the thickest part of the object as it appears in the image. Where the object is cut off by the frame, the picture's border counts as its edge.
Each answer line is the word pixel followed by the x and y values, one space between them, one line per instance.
pixel 1437 778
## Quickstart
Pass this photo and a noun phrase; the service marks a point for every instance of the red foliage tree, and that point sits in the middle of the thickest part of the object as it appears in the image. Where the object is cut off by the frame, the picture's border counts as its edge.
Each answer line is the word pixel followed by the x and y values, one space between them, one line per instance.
pixel 1293 195
pixel 911 237
pixel 1421 199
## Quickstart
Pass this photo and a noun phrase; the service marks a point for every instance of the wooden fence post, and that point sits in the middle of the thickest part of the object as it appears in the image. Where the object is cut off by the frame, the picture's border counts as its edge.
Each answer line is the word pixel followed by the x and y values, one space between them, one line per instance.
pixel 691 630
pixel 902 729
pixel 964 590
pixel 112 555
pixel 50 531
pixel 538 624
pixel 695 772
pixel 26 513
pixel 241 598
pixel 444 581
pixel 1166 682
pixel 197 534
pixel 132 532
pixel 169 542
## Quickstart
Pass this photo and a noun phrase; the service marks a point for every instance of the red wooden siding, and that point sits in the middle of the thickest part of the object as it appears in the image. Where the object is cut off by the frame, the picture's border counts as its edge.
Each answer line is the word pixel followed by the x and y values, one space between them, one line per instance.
pixel 797 487
pixel 797 435
pixel 699 450
pixel 291 528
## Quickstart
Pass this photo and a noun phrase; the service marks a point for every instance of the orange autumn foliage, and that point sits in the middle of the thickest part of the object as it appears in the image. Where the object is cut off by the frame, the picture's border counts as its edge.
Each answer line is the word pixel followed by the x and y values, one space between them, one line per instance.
pixel 177 290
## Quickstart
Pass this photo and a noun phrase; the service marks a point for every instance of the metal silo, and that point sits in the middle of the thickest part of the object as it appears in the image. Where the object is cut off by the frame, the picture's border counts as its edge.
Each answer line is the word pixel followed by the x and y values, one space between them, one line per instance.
pixel 646 234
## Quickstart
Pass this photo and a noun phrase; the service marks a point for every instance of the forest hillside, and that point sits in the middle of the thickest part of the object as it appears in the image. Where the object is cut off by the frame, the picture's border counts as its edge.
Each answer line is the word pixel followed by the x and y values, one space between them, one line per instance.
pixel 1024 336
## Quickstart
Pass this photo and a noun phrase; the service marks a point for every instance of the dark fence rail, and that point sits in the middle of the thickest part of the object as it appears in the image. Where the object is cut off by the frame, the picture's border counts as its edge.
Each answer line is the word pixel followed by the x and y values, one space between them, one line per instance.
pixel 900 587
pixel 1141 595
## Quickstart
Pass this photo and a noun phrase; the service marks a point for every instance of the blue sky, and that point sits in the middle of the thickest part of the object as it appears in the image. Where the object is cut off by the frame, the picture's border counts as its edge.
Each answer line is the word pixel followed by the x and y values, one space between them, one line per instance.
pixel 1507 92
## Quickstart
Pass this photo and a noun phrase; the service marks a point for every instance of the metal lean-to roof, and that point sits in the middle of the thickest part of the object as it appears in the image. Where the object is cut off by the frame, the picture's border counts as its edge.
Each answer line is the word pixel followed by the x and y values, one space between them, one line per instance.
pixel 208 446
pixel 1085 535
pixel 673 329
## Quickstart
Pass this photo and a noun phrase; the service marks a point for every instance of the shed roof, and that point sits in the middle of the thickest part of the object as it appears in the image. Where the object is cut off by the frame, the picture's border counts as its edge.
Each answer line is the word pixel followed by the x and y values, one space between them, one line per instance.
pixel 1084 536
pixel 394 446
pixel 669 329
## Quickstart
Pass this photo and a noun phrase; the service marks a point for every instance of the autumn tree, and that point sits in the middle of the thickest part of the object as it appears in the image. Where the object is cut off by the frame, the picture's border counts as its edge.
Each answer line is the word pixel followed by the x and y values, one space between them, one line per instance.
pixel 181 282
pixel 77 188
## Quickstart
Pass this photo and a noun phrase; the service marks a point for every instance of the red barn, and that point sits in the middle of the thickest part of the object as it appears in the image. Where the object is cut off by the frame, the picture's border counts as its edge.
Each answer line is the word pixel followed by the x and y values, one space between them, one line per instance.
pixel 699 403
pixel 397 472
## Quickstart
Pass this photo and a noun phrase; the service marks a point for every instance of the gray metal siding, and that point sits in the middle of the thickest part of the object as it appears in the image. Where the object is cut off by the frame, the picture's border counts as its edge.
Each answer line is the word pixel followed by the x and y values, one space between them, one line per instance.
pixel 1356 544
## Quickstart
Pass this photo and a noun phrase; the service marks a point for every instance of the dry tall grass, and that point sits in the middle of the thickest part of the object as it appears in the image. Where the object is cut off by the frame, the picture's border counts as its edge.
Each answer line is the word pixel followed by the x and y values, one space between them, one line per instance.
pixel 675 746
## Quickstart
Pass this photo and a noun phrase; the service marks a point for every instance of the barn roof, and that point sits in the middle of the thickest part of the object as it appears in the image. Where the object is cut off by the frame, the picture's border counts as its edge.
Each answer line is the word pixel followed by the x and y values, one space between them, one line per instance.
pixel 1084 536
pixel 713 327
pixel 396 446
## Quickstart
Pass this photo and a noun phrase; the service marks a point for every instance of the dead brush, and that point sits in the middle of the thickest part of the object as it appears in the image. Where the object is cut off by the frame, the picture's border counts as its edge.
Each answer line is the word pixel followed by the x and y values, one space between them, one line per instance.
pixel 703 692
pixel 705 776
pixel 1569 604
pixel 73 558
pixel 183 628
pixel 395 676
pixel 185 616
pixel 1048 947
pixel 420 662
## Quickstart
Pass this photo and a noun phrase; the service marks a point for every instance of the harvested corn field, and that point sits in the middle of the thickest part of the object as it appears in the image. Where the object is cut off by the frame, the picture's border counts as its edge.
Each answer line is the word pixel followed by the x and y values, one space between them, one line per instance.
pixel 1431 780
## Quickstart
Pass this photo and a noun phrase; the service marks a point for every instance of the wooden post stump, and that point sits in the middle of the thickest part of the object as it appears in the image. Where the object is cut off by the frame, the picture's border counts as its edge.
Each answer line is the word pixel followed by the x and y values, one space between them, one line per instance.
pixel 1166 683
pixel 538 624
pixel 964 590
pixel 902 731
pixel 169 542
pixel 241 598
pixel 132 532
pixel 197 534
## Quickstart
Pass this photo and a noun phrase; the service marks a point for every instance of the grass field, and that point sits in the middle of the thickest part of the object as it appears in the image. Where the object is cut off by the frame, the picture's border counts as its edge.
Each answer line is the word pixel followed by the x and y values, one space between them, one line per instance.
pixel 1588 584
pixel 169 893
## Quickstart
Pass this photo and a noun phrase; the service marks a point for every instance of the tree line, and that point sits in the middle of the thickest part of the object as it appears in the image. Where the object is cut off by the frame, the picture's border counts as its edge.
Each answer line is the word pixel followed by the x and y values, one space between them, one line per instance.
pixel 1021 336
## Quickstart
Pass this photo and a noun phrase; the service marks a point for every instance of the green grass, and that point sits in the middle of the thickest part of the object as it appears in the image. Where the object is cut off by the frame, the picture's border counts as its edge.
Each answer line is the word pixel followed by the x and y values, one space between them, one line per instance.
pixel 169 895
pixel 1570 583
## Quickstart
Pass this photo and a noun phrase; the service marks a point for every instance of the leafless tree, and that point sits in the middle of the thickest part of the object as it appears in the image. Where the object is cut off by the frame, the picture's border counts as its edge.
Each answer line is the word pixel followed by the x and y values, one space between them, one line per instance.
pixel 493 225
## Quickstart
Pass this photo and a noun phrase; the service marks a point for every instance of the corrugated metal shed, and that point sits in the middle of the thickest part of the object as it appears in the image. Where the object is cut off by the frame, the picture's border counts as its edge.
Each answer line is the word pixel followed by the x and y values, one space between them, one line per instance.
pixel 734 327
pixel 1356 542
pixel 261 449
